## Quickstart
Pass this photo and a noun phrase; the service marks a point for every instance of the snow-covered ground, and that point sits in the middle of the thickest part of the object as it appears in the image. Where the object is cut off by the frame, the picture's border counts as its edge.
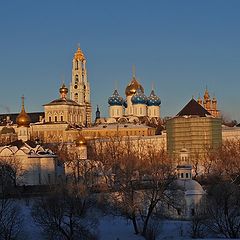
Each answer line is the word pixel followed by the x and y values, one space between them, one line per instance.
pixel 110 228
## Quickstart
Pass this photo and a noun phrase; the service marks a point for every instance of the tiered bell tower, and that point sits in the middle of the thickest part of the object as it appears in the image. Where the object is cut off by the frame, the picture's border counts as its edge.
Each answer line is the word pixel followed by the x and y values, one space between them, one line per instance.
pixel 79 87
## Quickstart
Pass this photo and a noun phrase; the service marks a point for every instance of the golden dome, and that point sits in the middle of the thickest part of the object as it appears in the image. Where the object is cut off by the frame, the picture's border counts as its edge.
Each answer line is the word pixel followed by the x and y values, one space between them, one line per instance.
pixel 206 95
pixel 81 141
pixel 23 120
pixel 79 55
pixel 214 99
pixel 199 100
pixel 132 87
pixel 63 89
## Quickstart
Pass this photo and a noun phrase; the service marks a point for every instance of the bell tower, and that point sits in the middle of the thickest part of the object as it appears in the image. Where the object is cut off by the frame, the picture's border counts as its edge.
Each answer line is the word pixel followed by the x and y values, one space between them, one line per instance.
pixel 79 87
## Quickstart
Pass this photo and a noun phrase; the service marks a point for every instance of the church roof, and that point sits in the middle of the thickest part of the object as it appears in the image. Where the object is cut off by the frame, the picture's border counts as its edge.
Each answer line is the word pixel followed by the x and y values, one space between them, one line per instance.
pixel 62 101
pixel 190 187
pixel 34 116
pixel 7 130
pixel 30 148
pixel 193 109
pixel 20 143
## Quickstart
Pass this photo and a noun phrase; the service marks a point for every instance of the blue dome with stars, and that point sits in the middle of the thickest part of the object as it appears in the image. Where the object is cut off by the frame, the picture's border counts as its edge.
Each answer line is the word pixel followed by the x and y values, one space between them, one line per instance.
pixel 139 97
pixel 153 100
pixel 115 99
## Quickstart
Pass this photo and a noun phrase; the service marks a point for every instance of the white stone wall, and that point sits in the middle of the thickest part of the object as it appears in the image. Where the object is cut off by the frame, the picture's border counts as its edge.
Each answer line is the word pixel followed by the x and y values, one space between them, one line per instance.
pixel 153 111
pixel 115 111
pixel 140 110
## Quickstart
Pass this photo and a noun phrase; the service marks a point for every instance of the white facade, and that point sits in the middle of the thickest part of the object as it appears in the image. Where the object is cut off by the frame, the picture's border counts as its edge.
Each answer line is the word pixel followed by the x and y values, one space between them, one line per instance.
pixel 153 111
pixel 129 108
pixel 65 110
pixel 115 111
pixel 140 110
pixel 35 165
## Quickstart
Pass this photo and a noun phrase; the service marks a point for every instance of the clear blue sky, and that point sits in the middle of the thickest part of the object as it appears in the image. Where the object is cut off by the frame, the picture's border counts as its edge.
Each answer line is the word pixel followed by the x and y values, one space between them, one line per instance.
pixel 181 46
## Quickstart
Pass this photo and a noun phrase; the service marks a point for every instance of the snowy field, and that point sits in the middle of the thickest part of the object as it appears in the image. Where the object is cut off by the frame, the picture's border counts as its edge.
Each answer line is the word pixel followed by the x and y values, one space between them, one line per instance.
pixel 110 228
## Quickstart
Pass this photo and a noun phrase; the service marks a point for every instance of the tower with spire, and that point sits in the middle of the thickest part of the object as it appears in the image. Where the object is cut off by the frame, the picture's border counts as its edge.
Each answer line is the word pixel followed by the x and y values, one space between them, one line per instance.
pixel 209 104
pixel 98 114
pixel 79 86
pixel 23 121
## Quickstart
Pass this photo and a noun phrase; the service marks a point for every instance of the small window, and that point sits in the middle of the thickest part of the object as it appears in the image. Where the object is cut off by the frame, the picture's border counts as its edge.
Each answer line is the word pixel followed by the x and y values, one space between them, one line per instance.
pixel 76 97
pixel 61 118
pixel 76 79
pixel 50 119
pixel 186 175
pixel 181 175
pixel 55 118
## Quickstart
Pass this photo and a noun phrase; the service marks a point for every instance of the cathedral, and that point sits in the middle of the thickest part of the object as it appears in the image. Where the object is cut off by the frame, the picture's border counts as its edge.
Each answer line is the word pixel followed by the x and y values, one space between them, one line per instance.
pixel 136 105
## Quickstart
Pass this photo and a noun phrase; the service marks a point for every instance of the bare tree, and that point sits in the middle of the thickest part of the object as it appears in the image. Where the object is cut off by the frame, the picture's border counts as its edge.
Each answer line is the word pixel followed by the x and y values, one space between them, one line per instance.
pixel 223 210
pixel 198 221
pixel 11 171
pixel 160 170
pixel 142 179
pixel 10 220
pixel 67 214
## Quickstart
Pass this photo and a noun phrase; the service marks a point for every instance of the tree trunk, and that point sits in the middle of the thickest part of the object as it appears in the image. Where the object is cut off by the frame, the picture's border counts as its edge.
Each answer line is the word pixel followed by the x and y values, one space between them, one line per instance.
pixel 135 226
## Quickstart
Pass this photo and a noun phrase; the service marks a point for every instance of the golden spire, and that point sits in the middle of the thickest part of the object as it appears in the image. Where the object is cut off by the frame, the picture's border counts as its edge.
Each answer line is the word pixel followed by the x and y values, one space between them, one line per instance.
pixel 22 102
pixel 133 71
pixel 133 85
pixel 152 86
pixel 206 94
pixel 23 119
pixel 79 54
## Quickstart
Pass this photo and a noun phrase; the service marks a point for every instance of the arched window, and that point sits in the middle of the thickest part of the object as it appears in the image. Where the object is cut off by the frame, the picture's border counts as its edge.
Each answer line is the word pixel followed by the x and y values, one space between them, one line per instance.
pixel 76 97
pixel 50 119
pixel 76 79
pixel 61 118
pixel 55 118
